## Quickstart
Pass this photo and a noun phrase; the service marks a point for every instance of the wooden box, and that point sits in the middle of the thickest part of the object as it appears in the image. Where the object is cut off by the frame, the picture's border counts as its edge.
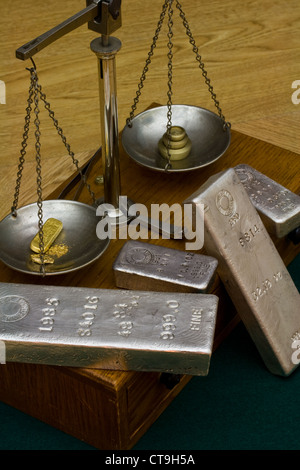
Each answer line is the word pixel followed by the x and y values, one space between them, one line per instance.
pixel 107 409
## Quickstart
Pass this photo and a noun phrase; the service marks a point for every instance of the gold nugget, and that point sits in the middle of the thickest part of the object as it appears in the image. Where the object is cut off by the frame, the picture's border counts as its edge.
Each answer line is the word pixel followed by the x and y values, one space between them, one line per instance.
pixel 51 230
pixel 38 259
pixel 58 250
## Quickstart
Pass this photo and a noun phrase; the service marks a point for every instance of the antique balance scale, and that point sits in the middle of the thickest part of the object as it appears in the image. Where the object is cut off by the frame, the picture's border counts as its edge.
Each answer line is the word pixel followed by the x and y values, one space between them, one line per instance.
pixel 171 138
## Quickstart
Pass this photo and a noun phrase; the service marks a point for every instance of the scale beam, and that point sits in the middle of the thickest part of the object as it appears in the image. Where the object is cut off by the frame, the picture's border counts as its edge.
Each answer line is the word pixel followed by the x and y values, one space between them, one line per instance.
pixel 39 43
pixel 102 16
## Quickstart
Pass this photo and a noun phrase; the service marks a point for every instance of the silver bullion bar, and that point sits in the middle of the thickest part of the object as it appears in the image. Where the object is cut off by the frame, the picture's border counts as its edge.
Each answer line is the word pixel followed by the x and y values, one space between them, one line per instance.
pixel 251 269
pixel 107 329
pixel 279 208
pixel 144 266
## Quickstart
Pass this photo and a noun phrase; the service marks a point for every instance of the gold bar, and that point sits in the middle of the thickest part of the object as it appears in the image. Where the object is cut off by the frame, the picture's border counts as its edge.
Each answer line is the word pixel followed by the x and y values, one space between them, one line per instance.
pixel 51 230
pixel 251 269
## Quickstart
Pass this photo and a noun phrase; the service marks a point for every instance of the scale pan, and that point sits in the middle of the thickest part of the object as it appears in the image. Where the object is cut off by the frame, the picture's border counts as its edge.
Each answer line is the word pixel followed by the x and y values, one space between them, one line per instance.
pixel 78 237
pixel 204 128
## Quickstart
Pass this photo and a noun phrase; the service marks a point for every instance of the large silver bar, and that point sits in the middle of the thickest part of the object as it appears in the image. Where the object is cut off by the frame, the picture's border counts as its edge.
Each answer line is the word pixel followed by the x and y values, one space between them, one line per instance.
pixel 279 208
pixel 107 329
pixel 144 266
pixel 251 269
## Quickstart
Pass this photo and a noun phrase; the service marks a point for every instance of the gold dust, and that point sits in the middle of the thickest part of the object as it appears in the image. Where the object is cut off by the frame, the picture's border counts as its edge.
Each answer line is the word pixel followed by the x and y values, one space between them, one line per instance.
pixel 54 252
pixel 58 250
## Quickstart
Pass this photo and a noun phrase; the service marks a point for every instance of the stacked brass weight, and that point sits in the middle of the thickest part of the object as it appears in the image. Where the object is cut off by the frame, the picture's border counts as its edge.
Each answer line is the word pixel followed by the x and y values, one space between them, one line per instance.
pixel 175 144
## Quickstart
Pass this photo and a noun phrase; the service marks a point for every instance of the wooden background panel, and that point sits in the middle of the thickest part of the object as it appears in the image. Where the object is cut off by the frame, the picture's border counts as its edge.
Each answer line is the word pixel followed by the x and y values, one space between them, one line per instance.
pixel 251 51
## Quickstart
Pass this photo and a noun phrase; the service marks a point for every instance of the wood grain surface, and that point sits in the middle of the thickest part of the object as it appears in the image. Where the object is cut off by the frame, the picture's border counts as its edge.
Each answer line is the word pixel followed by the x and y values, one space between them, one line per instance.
pixel 251 50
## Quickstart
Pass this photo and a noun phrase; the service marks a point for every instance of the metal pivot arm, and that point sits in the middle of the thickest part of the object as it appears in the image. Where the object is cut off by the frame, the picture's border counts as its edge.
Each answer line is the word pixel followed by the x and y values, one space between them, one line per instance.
pixel 102 16
pixel 109 19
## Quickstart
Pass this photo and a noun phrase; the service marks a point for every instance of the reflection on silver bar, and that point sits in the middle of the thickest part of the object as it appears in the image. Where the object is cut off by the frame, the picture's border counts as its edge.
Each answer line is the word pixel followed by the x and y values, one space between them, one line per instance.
pixel 108 329
pixel 251 269
pixel 279 208
pixel 144 266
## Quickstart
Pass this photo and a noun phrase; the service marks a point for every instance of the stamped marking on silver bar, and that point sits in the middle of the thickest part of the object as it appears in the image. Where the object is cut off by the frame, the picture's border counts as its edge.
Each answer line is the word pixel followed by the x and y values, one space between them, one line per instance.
pixel 13 308
pixel 108 329
pixel 145 266
pixel 251 269
pixel 279 207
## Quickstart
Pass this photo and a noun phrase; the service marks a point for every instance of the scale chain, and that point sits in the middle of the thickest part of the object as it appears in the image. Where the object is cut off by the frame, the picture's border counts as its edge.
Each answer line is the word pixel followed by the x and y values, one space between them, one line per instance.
pixel 33 98
pixel 168 4
pixel 201 64
pixel 36 93
pixel 148 62
pixel 38 168
pixel 34 84
pixel 23 150
pixel 170 81
pixel 64 140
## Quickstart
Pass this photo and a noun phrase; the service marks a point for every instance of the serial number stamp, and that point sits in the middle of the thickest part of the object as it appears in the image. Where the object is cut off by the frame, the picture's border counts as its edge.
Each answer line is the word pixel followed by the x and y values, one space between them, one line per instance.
pixel 88 316
pixel 248 236
pixel 47 320
pixel 266 286
pixel 169 321
pixel 124 311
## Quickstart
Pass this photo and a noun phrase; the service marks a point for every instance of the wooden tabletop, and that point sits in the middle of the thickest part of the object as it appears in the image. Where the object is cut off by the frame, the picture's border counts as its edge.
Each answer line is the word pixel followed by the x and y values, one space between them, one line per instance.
pixel 251 51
